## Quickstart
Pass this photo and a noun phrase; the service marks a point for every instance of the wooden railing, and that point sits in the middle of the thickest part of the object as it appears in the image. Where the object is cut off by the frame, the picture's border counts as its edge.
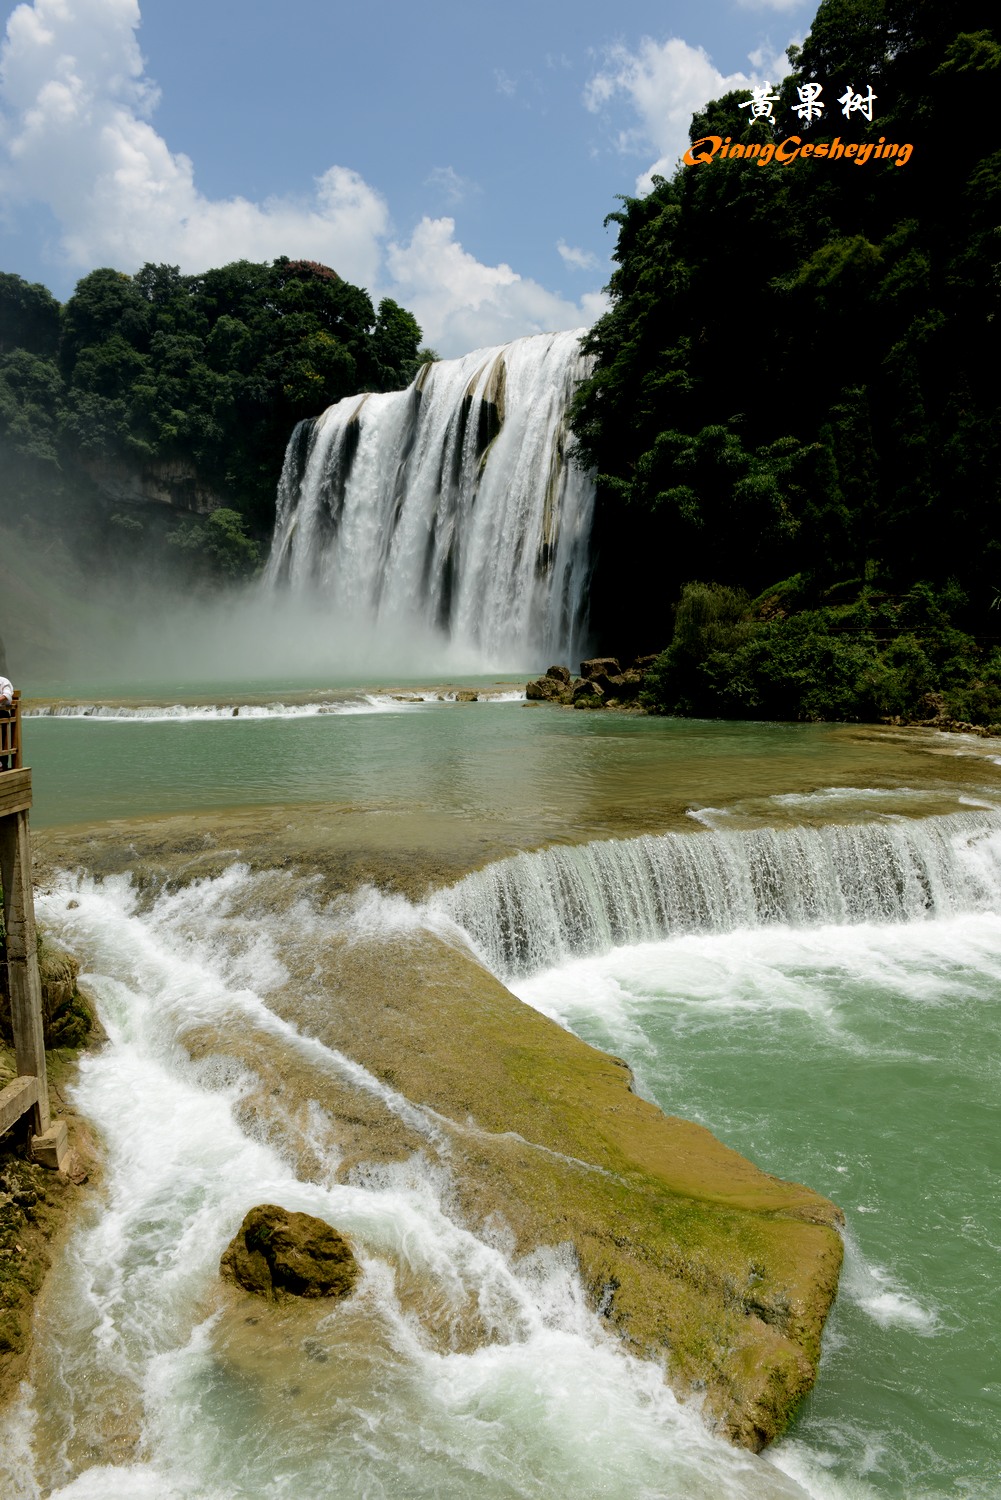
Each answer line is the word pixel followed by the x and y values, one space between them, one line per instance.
pixel 28 1092
pixel 10 734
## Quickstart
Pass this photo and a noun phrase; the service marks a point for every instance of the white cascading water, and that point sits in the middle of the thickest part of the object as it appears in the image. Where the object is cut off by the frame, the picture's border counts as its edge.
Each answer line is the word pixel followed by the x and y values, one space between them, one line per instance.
pixel 535 910
pixel 547 1404
pixel 452 509
pixel 133 1352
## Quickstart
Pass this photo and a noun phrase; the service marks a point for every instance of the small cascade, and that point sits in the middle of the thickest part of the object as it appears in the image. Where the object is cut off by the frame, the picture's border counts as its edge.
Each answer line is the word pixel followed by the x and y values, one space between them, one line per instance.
pixel 533 911
pixel 452 508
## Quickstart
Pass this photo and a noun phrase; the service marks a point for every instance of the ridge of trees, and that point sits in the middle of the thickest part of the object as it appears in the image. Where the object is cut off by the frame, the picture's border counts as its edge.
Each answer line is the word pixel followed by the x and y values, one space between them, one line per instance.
pixel 797 388
pixel 212 371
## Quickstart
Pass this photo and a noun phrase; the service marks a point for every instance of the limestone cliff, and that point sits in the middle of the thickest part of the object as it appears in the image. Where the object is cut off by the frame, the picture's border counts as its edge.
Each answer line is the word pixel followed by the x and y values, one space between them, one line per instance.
pixel 174 482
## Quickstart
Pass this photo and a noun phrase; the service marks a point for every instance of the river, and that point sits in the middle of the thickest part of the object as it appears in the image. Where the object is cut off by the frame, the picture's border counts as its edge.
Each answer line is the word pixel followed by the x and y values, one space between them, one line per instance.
pixel 817 981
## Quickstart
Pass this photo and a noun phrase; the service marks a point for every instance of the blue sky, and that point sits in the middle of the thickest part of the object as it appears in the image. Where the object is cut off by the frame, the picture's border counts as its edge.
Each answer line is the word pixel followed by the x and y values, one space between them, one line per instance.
pixel 458 157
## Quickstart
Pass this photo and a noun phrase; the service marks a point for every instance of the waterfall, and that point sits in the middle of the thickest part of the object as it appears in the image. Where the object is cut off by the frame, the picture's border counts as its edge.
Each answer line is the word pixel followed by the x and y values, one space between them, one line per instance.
pixel 533 911
pixel 451 509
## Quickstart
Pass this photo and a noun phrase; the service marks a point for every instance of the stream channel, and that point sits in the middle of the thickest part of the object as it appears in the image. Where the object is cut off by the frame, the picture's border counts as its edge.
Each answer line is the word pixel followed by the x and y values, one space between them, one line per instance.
pixel 793 938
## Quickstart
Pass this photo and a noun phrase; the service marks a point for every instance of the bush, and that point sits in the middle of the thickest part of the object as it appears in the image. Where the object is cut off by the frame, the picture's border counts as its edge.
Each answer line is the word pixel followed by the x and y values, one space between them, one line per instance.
pixel 874 658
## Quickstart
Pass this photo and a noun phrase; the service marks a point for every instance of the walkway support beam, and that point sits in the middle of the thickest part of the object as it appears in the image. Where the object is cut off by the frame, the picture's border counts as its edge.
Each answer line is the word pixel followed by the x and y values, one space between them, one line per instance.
pixel 22 960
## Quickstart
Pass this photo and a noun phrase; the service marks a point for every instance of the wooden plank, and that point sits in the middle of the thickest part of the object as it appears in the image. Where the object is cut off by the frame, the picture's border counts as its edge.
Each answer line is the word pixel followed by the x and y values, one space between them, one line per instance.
pixel 15 792
pixel 24 982
pixel 17 1097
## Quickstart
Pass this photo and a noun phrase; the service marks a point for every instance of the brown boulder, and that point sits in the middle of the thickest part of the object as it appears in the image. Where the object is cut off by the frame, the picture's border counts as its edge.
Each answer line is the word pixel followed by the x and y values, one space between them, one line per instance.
pixel 600 666
pixel 544 689
pixel 561 674
pixel 624 685
pixel 587 695
pixel 275 1253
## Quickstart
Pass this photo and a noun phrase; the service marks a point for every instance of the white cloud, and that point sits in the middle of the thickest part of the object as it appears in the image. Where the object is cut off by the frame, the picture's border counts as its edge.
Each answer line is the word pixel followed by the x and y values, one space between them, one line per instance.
pixel 447 182
pixel 779 5
pixel 463 304
pixel 75 134
pixel 76 107
pixel 576 259
pixel 665 83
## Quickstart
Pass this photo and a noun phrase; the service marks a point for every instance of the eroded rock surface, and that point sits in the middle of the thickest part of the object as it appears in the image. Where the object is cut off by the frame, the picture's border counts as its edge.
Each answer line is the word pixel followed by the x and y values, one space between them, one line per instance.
pixel 275 1253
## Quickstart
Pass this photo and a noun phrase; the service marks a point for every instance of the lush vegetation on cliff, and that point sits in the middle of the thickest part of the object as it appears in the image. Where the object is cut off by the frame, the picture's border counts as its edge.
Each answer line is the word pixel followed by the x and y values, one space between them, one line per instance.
pixel 797 391
pixel 205 373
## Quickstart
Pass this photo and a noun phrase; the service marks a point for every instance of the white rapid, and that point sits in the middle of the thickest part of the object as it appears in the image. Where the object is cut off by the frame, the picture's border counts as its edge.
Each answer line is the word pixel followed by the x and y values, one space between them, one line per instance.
pixel 142 1386
pixel 535 910
pixel 451 512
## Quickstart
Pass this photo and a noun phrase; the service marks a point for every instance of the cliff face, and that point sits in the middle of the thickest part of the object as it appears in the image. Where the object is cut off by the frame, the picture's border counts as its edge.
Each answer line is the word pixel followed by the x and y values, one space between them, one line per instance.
pixel 174 482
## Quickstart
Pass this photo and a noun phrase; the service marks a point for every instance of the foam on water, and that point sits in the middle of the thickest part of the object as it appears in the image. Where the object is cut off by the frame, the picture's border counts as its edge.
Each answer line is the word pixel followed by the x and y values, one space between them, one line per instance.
pixel 851 968
pixel 862 1059
pixel 880 1295
pixel 199 713
pixel 195 713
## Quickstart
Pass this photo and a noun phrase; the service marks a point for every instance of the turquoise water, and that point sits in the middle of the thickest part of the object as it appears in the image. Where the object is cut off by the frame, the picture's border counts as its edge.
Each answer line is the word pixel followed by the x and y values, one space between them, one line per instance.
pixel 865 1061
pixel 569 772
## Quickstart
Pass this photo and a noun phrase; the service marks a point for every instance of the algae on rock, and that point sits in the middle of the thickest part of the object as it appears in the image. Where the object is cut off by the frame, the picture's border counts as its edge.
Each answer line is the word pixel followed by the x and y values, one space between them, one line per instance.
pixel 275 1253
pixel 691 1254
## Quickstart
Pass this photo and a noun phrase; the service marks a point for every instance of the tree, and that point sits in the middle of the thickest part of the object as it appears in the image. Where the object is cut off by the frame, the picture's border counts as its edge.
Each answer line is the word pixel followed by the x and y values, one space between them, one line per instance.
pixel 798 371
pixel 29 317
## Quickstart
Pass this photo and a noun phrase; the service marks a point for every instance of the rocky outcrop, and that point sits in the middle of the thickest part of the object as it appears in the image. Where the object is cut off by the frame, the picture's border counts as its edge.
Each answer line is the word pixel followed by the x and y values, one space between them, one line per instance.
pixel 278 1254
pixel 603 683
pixel 546 689
pixel 587 694
pixel 66 1014
pixel 598 666
pixel 174 482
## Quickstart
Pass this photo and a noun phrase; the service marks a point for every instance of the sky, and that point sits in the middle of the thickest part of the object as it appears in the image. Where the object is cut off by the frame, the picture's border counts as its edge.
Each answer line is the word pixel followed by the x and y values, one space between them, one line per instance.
pixel 458 157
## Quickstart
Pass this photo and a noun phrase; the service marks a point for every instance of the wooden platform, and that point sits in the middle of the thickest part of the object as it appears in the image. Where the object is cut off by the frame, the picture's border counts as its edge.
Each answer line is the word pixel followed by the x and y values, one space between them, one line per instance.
pixel 15 791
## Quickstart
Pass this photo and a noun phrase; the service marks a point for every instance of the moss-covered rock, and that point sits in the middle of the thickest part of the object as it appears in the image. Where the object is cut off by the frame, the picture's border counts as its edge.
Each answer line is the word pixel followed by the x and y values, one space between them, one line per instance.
pixel 33 1203
pixel 67 1016
pixel 275 1254
pixel 692 1254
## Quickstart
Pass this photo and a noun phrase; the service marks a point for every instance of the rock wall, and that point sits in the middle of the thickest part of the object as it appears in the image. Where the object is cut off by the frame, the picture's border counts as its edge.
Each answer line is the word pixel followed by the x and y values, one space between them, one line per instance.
pixel 173 482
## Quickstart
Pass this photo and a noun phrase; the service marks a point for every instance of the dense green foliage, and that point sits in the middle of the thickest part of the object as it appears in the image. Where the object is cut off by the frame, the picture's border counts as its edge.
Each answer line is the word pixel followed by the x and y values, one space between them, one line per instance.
pixel 799 377
pixel 873 658
pixel 207 373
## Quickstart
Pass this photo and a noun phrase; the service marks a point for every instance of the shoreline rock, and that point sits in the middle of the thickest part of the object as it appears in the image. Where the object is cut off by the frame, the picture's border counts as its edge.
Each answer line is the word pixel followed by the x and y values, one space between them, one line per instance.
pixel 603 683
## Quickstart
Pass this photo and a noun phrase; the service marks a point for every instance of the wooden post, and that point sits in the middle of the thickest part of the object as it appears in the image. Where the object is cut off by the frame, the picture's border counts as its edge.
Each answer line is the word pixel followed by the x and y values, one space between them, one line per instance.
pixel 22 960
pixel 16 760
